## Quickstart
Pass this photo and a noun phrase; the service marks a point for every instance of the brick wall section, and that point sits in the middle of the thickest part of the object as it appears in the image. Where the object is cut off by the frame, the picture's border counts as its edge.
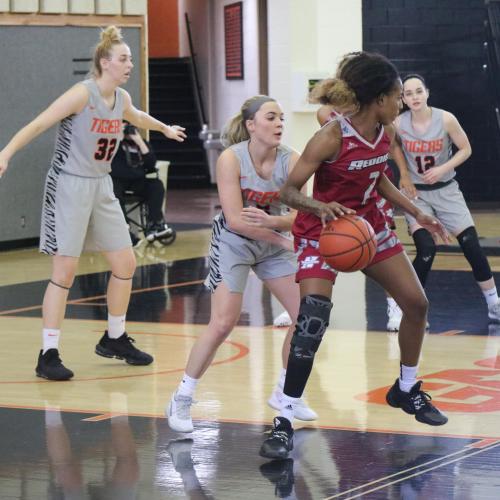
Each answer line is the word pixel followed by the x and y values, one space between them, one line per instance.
pixel 443 40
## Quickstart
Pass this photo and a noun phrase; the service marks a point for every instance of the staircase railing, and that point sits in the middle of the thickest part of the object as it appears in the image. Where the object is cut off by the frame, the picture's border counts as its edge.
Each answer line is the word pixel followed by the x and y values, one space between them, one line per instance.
pixel 197 86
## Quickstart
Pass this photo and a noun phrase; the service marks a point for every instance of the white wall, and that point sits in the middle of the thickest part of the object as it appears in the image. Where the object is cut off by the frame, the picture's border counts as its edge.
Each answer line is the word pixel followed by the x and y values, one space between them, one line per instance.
pixel 307 39
pixel 222 97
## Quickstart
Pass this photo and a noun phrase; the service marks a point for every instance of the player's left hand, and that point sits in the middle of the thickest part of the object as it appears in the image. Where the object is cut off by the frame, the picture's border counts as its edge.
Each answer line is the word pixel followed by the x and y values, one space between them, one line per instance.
pixel 256 217
pixel 434 174
pixel 175 132
pixel 435 227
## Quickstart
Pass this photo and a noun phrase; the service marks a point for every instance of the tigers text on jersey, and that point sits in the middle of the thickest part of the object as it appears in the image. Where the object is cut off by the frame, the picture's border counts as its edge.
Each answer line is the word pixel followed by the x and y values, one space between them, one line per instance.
pixel 351 179
pixel 427 150
pixel 86 142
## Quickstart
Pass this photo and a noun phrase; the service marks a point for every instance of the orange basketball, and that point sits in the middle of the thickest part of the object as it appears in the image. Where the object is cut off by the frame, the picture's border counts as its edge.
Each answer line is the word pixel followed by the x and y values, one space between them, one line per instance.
pixel 348 243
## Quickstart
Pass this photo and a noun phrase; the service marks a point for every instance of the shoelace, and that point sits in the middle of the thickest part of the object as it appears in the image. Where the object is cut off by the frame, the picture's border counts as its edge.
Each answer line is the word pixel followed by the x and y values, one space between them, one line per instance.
pixel 420 400
pixel 182 406
pixel 281 435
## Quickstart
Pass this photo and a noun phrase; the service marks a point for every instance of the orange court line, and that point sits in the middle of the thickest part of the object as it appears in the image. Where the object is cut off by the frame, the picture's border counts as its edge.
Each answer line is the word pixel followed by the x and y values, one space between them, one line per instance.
pixel 242 352
pixel 262 422
pixel 449 333
pixel 483 443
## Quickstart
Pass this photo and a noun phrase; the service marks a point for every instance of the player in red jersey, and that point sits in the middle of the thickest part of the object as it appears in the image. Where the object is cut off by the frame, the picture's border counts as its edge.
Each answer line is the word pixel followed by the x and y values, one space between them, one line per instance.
pixel 348 156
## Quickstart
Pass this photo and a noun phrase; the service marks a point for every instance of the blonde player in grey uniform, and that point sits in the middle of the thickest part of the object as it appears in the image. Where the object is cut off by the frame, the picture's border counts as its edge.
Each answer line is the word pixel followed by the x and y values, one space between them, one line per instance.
pixel 427 176
pixel 249 233
pixel 79 207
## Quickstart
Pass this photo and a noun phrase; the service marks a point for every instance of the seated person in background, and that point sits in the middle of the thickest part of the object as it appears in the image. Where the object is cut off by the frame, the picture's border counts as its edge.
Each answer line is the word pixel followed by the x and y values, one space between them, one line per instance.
pixel 133 160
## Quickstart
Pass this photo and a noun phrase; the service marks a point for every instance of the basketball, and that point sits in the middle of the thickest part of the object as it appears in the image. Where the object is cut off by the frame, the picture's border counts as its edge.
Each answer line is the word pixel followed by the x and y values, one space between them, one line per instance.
pixel 348 243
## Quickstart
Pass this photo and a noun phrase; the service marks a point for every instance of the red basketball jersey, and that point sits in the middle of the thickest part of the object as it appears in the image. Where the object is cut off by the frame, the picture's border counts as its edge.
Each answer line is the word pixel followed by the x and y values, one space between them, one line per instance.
pixel 351 179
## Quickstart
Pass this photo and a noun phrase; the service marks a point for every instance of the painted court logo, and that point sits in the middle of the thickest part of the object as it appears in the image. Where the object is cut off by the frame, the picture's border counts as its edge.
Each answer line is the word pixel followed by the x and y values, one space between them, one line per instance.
pixel 473 390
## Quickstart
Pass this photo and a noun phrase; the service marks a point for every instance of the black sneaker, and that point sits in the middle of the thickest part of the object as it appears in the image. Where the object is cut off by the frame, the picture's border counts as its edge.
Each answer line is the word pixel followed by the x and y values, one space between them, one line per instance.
pixel 122 348
pixel 280 440
pixel 50 366
pixel 416 402
pixel 280 473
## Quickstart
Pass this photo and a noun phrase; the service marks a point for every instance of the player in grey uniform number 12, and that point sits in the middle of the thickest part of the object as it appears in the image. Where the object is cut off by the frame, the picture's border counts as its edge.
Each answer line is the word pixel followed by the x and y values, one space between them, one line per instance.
pixel 427 166
pixel 80 210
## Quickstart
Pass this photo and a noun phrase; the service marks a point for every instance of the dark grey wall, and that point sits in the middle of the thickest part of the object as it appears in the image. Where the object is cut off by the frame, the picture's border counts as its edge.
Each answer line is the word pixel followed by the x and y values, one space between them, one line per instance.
pixel 37 66
pixel 443 41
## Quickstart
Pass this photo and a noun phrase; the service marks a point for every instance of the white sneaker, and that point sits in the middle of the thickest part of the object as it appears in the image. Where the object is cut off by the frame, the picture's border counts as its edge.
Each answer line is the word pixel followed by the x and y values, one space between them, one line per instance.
pixel 494 311
pixel 178 413
pixel 394 315
pixel 301 410
pixel 282 320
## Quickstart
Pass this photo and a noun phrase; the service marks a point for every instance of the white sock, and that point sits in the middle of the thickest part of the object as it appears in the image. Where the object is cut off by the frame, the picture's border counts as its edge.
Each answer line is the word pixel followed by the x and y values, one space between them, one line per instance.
pixel 116 326
pixel 391 302
pixel 491 296
pixel 281 380
pixel 187 386
pixel 50 337
pixel 407 377
pixel 287 405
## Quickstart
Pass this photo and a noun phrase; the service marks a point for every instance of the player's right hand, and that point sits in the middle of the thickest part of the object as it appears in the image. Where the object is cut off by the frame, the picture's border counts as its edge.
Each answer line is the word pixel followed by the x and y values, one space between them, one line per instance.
pixel 332 210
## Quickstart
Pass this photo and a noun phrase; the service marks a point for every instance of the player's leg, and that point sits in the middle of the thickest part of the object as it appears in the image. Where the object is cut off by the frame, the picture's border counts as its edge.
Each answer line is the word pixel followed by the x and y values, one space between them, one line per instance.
pixel 397 276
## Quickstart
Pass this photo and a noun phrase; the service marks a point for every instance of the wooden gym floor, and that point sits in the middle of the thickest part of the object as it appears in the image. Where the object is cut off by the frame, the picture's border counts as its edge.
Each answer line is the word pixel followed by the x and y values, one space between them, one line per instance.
pixel 103 434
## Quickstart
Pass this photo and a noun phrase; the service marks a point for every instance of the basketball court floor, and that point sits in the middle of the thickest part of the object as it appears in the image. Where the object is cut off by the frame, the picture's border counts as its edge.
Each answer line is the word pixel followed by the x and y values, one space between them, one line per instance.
pixel 103 435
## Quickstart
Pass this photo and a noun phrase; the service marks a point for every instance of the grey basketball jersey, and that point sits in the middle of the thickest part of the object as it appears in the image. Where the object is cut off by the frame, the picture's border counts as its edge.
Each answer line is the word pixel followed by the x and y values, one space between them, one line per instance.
pixel 427 150
pixel 86 142
pixel 255 190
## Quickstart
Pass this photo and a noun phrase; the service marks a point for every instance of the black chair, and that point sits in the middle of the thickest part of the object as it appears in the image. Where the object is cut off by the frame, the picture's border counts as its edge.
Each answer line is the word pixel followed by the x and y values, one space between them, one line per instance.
pixel 136 210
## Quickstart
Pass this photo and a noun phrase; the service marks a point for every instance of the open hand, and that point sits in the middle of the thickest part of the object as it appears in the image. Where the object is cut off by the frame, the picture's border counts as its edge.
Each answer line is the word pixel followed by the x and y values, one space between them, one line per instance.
pixel 175 132
pixel 435 227
pixel 332 210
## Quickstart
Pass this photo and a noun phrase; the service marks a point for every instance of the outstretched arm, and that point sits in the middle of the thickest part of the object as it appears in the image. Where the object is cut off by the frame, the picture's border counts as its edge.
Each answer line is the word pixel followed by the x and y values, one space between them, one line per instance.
pixel 71 102
pixel 143 120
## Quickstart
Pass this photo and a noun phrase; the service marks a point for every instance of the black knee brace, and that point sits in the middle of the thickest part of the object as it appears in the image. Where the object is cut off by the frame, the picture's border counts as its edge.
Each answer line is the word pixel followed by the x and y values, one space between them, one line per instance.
pixel 312 321
pixel 469 242
pixel 426 251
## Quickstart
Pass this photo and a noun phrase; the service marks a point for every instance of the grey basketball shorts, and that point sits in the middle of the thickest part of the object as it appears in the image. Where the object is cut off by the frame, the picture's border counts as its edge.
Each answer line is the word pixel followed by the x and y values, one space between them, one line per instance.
pixel 232 256
pixel 447 204
pixel 81 213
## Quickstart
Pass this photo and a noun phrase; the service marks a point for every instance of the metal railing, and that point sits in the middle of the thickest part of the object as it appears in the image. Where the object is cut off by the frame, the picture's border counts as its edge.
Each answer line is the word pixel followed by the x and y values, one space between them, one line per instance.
pixel 197 86
pixel 492 53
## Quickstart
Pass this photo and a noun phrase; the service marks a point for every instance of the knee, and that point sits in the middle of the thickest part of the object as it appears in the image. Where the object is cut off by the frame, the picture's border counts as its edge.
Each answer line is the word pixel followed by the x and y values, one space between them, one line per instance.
pixel 417 308
pixel 63 276
pixel 312 322
pixel 424 244
pixel 124 267
pixel 221 327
